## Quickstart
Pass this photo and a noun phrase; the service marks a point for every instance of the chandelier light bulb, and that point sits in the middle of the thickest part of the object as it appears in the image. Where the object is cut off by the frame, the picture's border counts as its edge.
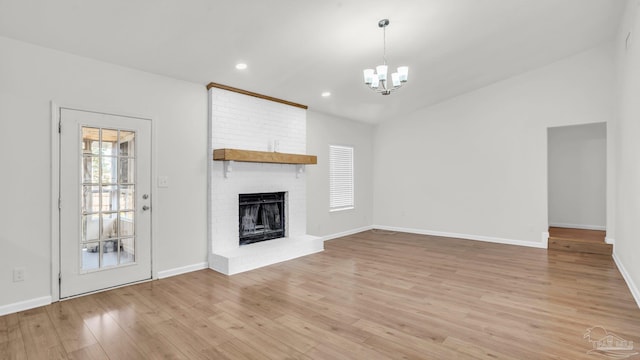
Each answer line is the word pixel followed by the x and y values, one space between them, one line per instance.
pixel 368 76
pixel 395 79
pixel 382 72
pixel 403 72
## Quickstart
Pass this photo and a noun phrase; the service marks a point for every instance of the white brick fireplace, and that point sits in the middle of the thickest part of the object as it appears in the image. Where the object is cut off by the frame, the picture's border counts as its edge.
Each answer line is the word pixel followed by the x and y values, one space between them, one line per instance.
pixel 239 121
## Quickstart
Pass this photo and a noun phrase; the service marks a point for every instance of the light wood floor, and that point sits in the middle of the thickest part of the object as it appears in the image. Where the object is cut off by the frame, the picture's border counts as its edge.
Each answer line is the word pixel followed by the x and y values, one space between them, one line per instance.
pixel 374 295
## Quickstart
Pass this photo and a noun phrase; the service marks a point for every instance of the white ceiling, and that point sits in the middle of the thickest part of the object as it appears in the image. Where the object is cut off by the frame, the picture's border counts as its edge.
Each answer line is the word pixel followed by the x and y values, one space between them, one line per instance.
pixel 297 49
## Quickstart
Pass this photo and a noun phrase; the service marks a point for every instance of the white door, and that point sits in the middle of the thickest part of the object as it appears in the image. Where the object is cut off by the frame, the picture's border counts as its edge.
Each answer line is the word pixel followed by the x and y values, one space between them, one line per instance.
pixel 105 200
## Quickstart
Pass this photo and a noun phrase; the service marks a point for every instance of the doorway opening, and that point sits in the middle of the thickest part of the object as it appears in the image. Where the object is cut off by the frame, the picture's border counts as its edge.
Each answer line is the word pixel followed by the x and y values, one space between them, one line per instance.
pixel 577 172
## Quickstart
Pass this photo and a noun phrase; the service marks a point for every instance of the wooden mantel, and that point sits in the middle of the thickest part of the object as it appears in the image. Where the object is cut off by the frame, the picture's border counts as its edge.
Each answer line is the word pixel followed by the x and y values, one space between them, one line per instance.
pixel 263 157
pixel 259 96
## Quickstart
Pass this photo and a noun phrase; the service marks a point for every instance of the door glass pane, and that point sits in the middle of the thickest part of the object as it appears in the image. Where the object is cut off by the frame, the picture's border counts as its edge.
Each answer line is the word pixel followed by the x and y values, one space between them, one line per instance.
pixel 108 198
pixel 127 171
pixel 126 197
pixel 90 140
pixel 109 141
pixel 127 251
pixel 127 143
pixel 109 253
pixel 90 199
pixel 90 254
pixel 90 169
pixel 109 169
pixel 126 224
pixel 90 226
pixel 109 226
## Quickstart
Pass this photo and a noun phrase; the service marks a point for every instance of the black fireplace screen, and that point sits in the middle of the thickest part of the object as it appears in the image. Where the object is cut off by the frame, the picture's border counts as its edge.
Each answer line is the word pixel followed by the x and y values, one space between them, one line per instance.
pixel 261 217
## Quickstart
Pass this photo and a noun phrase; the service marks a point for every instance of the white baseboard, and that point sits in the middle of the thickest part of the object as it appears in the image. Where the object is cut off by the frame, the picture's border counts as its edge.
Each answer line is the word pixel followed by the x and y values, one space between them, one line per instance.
pixel 535 244
pixel 579 226
pixel 545 240
pixel 346 233
pixel 627 278
pixel 25 305
pixel 182 270
pixel 609 240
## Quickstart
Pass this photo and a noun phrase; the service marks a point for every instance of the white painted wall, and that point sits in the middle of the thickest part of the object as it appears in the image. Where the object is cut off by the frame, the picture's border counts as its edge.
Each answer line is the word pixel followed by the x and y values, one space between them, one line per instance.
pixel 324 130
pixel 627 150
pixel 476 165
pixel 577 176
pixel 31 77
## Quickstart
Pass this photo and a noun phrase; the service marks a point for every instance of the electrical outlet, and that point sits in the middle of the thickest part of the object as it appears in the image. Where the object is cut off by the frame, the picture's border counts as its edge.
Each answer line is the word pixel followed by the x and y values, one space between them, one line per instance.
pixel 18 274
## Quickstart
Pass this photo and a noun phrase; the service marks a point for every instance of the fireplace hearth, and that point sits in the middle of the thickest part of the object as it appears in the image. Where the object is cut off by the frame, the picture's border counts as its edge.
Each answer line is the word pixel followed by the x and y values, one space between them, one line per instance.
pixel 261 217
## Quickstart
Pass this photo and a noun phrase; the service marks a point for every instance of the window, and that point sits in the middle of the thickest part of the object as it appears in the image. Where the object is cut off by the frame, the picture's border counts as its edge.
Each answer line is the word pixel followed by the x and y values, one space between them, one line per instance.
pixel 340 178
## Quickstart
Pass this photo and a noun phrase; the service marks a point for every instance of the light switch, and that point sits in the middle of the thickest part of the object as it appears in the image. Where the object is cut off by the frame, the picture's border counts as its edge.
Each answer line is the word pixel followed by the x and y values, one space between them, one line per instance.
pixel 163 181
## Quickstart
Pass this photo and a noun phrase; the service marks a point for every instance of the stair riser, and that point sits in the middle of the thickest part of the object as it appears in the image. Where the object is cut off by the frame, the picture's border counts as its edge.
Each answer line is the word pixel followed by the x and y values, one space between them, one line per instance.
pixel 580 246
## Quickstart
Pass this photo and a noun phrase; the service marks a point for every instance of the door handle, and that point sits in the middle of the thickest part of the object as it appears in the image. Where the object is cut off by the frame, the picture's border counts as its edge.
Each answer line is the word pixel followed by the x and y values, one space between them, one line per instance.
pixel 145 208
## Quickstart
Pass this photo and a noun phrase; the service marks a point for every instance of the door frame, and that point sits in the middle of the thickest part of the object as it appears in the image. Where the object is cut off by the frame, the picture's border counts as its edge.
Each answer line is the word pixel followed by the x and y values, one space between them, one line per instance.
pixel 55 190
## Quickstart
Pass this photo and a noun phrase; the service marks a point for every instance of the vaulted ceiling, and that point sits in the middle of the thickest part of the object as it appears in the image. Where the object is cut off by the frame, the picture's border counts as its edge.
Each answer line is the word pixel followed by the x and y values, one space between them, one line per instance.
pixel 297 49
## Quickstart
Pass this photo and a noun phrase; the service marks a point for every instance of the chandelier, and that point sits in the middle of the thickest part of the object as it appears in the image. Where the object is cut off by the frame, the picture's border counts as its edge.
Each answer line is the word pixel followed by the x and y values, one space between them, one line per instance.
pixel 377 79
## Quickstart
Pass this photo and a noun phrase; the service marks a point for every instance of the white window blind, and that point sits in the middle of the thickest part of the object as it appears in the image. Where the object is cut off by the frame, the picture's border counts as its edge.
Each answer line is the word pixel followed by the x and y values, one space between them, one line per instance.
pixel 340 177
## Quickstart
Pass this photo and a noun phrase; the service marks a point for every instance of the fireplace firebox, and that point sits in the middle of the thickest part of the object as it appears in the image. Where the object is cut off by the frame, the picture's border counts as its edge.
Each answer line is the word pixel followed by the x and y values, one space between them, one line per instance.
pixel 261 217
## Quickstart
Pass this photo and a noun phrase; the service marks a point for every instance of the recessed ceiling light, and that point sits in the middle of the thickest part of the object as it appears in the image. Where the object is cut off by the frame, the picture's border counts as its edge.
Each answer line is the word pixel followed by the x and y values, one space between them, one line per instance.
pixel 241 66
pixel 326 94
